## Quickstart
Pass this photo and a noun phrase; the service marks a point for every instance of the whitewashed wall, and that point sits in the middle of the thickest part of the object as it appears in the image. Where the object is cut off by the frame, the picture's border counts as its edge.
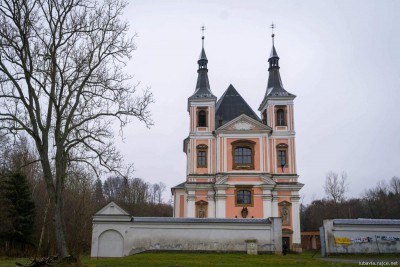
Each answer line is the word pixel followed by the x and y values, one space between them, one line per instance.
pixel 362 236
pixel 118 235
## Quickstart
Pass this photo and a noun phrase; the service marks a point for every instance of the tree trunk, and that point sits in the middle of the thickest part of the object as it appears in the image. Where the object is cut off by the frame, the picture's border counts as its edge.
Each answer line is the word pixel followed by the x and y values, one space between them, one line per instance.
pixel 43 227
pixel 59 229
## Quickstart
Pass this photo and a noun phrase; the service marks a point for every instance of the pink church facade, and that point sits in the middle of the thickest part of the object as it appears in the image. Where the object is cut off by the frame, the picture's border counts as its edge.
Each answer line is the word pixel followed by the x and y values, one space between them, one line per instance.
pixel 239 164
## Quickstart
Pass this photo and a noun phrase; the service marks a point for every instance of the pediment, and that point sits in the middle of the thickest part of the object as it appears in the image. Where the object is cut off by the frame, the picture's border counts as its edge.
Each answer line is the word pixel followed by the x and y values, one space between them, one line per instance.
pixel 112 209
pixel 244 123
pixel 265 181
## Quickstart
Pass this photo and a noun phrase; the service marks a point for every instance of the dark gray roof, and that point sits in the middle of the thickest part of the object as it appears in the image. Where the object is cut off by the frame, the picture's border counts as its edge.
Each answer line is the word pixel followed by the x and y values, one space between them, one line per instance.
pixel 199 220
pixel 275 86
pixel 203 54
pixel 181 185
pixel 231 105
pixel 273 52
pixel 203 85
pixel 367 221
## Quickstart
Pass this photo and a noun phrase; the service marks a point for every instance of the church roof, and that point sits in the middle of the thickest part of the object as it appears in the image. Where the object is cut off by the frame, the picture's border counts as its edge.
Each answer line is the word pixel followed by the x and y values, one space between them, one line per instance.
pixel 203 54
pixel 203 89
pixel 275 87
pixel 362 221
pixel 231 105
pixel 181 185
pixel 273 52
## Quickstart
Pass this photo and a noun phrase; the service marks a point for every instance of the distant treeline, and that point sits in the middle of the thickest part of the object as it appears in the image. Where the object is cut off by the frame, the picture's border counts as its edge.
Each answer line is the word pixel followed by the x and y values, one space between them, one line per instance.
pixel 379 202
pixel 25 214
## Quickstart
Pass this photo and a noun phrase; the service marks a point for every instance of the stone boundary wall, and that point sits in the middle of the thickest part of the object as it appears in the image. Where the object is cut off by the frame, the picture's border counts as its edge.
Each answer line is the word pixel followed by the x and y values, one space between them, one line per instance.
pixel 361 236
pixel 123 235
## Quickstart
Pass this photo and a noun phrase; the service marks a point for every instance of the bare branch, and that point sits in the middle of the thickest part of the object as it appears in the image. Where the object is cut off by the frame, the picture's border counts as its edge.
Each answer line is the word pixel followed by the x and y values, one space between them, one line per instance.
pixel 336 187
pixel 63 81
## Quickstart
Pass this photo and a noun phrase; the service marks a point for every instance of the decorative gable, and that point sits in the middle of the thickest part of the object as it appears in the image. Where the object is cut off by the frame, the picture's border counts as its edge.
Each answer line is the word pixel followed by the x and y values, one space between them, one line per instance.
pixel 244 123
pixel 112 209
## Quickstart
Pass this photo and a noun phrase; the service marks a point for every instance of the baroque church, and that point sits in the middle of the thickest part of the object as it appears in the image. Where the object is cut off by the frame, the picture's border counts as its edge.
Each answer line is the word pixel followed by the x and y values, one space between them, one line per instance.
pixel 239 164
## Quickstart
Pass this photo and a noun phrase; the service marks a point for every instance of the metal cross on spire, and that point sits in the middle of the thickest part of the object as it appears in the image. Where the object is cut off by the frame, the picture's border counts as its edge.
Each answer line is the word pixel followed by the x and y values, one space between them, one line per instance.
pixel 272 26
pixel 203 28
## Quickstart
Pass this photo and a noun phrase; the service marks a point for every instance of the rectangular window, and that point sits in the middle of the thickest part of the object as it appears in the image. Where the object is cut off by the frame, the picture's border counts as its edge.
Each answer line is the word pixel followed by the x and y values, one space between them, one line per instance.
pixel 201 159
pixel 243 155
pixel 244 197
pixel 202 118
pixel 282 157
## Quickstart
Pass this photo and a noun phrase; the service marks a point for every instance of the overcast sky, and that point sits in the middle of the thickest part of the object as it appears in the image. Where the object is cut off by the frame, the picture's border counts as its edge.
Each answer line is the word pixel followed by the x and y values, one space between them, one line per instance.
pixel 340 58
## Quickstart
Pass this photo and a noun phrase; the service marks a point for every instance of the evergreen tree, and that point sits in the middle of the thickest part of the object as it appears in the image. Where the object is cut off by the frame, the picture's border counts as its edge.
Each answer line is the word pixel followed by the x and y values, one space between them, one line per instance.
pixel 20 207
pixel 98 192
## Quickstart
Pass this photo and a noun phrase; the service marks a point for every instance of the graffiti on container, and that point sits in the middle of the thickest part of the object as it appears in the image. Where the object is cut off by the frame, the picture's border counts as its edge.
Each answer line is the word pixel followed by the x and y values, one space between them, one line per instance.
pixel 387 238
pixel 348 241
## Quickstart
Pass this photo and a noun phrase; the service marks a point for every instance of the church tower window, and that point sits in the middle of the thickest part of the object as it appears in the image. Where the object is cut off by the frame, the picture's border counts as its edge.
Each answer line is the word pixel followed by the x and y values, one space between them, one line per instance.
pixel 280 116
pixel 282 155
pixel 202 119
pixel 202 156
pixel 243 154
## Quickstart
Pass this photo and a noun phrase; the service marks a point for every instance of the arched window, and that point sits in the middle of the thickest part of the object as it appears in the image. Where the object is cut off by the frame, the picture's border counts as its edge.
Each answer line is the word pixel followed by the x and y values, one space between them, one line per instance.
pixel 202 119
pixel 280 117
pixel 243 154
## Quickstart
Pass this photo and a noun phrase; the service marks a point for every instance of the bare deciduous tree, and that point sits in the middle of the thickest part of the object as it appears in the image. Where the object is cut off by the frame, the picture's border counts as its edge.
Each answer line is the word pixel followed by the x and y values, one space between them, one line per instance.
pixel 336 187
pixel 394 185
pixel 62 81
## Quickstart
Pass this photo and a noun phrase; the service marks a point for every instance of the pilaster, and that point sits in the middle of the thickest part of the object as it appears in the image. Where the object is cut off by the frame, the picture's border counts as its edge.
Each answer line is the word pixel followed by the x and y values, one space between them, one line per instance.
pixel 267 205
pixel 296 219
pixel 275 200
pixel 220 199
pixel 211 204
pixel 190 207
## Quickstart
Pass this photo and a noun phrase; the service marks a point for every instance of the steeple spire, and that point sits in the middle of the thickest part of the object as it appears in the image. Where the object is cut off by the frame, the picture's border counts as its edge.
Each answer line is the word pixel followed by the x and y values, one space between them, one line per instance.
pixel 275 86
pixel 273 57
pixel 272 26
pixel 203 85
pixel 203 58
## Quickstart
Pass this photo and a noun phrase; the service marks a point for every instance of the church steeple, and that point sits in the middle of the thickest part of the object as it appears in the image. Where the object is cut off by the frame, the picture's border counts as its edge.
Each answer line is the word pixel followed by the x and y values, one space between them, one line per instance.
pixel 203 58
pixel 275 86
pixel 203 85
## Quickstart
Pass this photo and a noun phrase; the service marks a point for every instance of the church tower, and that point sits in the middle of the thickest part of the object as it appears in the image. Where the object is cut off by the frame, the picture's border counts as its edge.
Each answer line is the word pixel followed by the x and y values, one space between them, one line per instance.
pixel 277 112
pixel 238 164
pixel 200 145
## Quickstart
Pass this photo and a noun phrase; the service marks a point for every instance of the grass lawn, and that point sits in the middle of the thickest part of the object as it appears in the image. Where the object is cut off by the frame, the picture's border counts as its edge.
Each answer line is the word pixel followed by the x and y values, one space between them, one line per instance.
pixel 232 260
